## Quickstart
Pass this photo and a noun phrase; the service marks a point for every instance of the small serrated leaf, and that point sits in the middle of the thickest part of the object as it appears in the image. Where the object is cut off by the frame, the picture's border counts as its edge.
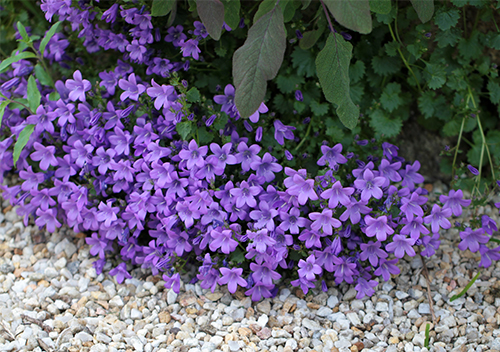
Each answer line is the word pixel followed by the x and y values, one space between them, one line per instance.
pixel 258 61
pixel 34 95
pixel 319 109
pixel 384 125
pixel 357 71
pixel 494 89
pixel 184 128
pixel 447 19
pixel 303 61
pixel 50 33
pixel 390 98
pixel 162 7
pixel 332 65
pixel 10 60
pixel 436 75
pixel 352 14
pixel 3 105
pixel 193 95
pixel 424 9
pixel 211 13
pixel 22 140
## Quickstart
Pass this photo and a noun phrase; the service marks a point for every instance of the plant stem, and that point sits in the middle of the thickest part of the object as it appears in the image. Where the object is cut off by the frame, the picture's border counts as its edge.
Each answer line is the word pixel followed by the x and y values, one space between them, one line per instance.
pixel 303 139
pixel 327 16
pixel 404 59
pixel 429 297
pixel 17 102
pixel 457 148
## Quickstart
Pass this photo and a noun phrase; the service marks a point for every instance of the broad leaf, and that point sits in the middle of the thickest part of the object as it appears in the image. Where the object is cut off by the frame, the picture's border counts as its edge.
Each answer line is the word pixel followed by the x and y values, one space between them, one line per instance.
pixel 352 14
pixel 184 128
pixel 310 38
pixel 193 95
pixel 162 7
pixel 232 13
pixel 424 9
pixel 42 75
pixel 34 95
pixel 21 56
pixel 22 140
pixel 23 32
pixel 332 65
pixel 258 61
pixel 3 105
pixel 382 7
pixel 211 13
pixel 264 7
pixel 48 36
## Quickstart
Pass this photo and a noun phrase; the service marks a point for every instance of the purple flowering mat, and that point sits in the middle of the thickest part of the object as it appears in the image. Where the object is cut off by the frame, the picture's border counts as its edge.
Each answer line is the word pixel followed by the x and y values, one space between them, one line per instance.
pixel 52 298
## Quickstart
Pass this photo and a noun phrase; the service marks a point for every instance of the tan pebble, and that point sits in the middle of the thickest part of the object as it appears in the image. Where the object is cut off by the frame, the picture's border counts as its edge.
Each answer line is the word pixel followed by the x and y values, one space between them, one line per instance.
pixel 104 304
pixel 286 307
pixel 191 310
pixel 170 339
pixel 420 321
pixel 250 313
pixel 354 348
pixel 164 317
pixel 360 345
pixel 299 293
pixel 32 287
pixel 44 283
pixel 287 349
pixel 424 326
pixel 95 294
pixel 215 296
pixel 255 328
pixel 334 349
pixel 294 306
pixel 83 301
pixel 393 340
pixel 311 305
pixel 244 331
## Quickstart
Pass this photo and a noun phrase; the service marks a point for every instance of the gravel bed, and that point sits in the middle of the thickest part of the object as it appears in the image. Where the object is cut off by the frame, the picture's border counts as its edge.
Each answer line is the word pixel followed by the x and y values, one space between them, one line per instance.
pixel 52 300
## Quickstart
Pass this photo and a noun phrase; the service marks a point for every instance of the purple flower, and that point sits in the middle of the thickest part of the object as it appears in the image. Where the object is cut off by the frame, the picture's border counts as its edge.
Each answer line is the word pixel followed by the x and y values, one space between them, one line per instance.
pixel 110 16
pixel 200 29
pixel 431 244
pixel 247 155
pixel 32 179
pixel 109 81
pixel 400 245
pixel 487 255
pixel 99 246
pixel 413 227
pixel 454 201
pixel 120 141
pixel 411 176
pixel 223 240
pixel 365 287
pixel 337 194
pixel 120 271
pixel 344 270
pixel 227 101
pixel 77 86
pixel 438 218
pixel 302 189
pixel 389 171
pixel 131 88
pixel 163 95
pixel 471 239
pixel 304 284
pixel 291 221
pixel 194 155
pixel 372 252
pixel 324 221
pixel 179 242
pixel 161 67
pixel 48 218
pixel 309 268
pixel 386 268
pixel 264 216
pixel 354 211
pixel 298 95
pixel 232 277
pixel 488 224
pixel 370 185
pixel 190 48
pixel 473 170
pixel 254 118
pixel 332 156
pixel 107 213
pixel 281 131
pixel 175 35
pixel 411 206
pixel 136 51
pixel 173 282
pixel 377 227
pixel 245 194
pixel 45 155
pixel 259 290
pixel 266 167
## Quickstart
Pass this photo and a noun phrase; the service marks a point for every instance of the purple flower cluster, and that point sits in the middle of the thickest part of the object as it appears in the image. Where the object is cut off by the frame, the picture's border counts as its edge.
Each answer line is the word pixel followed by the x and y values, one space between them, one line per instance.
pixel 117 169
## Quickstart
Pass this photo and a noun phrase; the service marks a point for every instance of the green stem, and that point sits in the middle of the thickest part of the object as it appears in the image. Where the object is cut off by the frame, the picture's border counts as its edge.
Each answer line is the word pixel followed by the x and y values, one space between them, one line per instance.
pixel 404 59
pixel 17 102
pixel 305 137
pixel 457 148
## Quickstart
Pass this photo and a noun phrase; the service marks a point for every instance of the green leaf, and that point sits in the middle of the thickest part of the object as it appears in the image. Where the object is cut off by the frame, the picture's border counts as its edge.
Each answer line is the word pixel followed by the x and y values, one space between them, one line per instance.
pixel 464 291
pixel 391 48
pixel 424 9
pixel 204 137
pixel 390 98
pixel 34 95
pixel 10 60
pixel 3 105
pixel 447 19
pixel 22 140
pixel 384 125
pixel 356 93
pixel 264 7
pixel 470 48
pixel 426 103
pixel 382 7
pixel 23 32
pixel 385 65
pixel 451 128
pixel 48 36
pixel 332 65
pixel 352 14
pixel 303 61
pixel 43 77
pixel 310 38
pixel 193 95
pixel 494 89
pixel 450 37
pixel 184 128
pixel 357 71
pixel 162 7
pixel 319 109
pixel 232 13
pixel 221 50
pixel 237 256
pixel 436 75
pixel 258 61
pixel 211 13
pixel 494 41
pixel 288 84
pixel 299 106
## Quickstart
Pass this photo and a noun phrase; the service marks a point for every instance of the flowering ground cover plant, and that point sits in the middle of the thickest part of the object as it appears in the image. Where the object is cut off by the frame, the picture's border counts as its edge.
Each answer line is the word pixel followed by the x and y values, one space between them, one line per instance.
pixel 171 174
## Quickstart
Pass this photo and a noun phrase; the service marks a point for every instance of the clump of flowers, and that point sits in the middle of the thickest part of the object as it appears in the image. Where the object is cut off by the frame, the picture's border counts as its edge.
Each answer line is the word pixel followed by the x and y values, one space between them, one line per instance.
pixel 109 159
